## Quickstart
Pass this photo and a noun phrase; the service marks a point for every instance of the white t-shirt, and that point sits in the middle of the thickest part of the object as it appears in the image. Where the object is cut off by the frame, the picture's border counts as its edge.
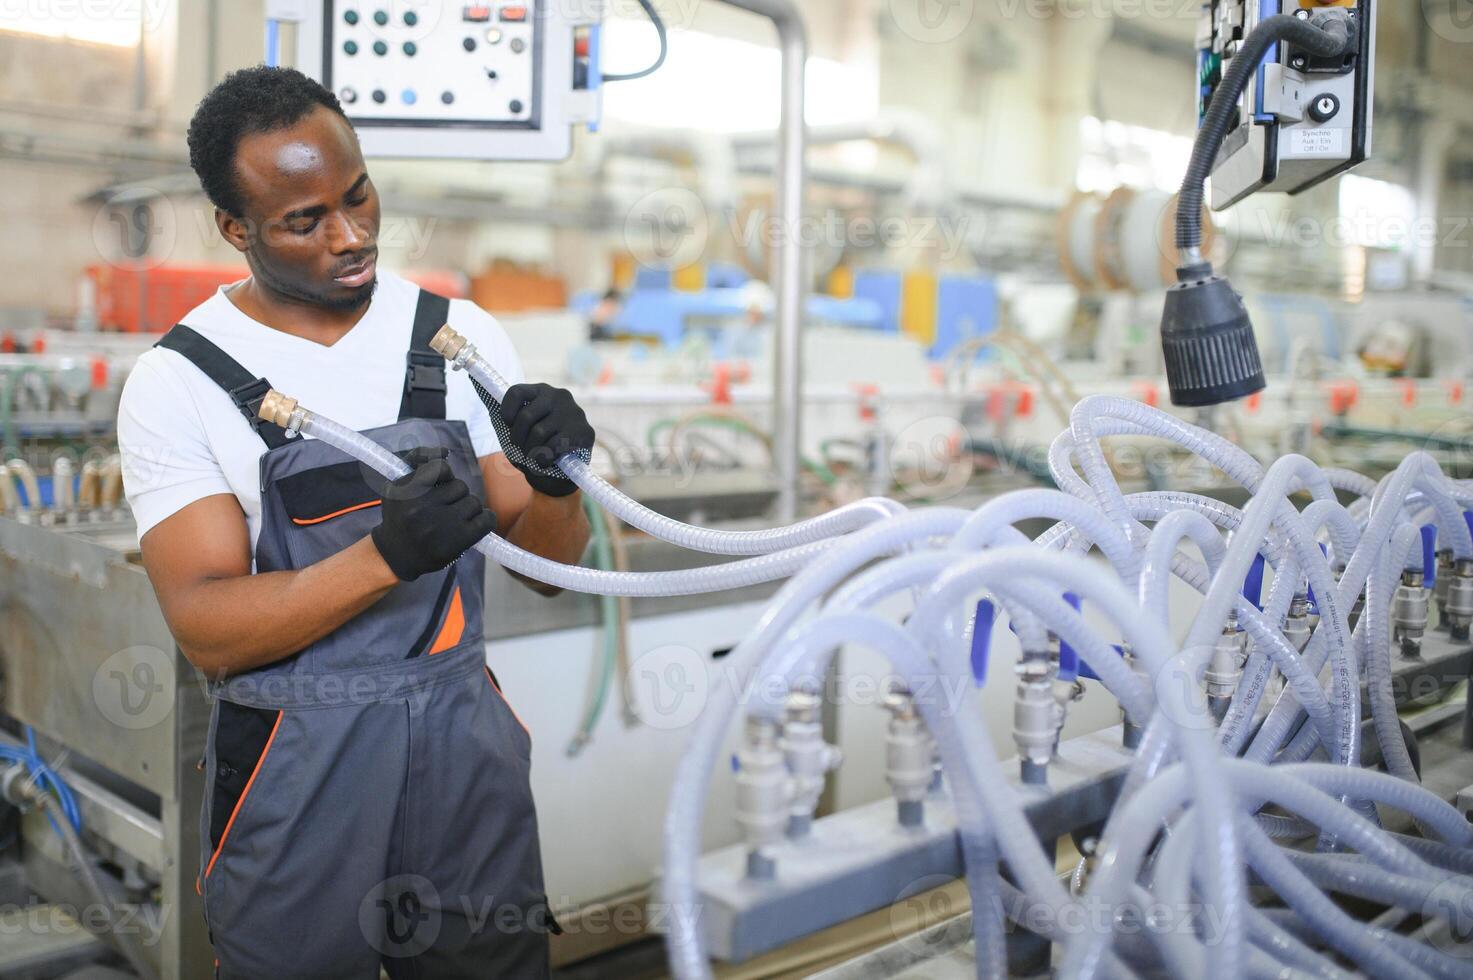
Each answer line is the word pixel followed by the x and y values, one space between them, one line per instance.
pixel 182 439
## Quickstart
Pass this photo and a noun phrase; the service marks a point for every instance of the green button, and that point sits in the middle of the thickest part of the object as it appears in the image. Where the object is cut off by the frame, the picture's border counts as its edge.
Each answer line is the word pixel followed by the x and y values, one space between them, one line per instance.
pixel 351 16
pixel 410 48
pixel 411 18
pixel 381 17
pixel 350 47
pixel 380 47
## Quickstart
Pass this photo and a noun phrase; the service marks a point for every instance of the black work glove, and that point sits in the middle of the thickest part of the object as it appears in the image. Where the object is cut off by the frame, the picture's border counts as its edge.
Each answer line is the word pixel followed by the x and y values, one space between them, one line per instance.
pixel 543 424
pixel 430 518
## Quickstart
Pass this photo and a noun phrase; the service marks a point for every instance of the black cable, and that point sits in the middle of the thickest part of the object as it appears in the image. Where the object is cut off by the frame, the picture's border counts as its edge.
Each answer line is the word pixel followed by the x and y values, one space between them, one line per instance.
pixel 1330 37
pixel 659 26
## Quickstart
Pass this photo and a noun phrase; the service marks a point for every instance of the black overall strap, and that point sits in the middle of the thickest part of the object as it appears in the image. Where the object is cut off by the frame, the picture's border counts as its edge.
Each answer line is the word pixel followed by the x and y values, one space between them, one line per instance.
pixel 424 370
pixel 245 390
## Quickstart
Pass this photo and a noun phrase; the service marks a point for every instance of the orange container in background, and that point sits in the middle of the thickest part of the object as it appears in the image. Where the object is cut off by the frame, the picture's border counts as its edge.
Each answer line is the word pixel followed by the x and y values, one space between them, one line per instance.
pixel 140 299
pixel 506 287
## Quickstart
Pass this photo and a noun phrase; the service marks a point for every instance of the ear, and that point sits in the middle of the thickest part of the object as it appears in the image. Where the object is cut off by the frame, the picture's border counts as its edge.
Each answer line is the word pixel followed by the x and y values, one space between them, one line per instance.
pixel 236 231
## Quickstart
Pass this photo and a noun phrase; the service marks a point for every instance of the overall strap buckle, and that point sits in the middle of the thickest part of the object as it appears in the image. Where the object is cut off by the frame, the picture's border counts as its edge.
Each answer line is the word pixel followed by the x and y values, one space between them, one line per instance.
pixel 424 371
pixel 245 392
pixel 248 398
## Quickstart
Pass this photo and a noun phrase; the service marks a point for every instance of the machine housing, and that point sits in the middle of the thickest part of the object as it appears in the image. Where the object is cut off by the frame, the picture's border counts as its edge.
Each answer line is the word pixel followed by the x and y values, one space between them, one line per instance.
pixel 1301 121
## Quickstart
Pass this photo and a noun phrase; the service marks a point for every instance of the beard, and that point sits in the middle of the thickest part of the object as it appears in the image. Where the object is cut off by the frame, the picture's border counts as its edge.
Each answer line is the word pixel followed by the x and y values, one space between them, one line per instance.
pixel 337 301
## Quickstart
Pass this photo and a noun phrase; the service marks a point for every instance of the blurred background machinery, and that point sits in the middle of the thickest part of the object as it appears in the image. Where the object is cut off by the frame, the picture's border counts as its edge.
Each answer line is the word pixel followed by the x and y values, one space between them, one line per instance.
pixel 983 235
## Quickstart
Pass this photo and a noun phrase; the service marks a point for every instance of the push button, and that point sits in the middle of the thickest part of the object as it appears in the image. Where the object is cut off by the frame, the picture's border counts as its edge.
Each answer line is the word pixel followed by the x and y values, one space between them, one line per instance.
pixel 381 17
pixel 476 12
pixel 514 15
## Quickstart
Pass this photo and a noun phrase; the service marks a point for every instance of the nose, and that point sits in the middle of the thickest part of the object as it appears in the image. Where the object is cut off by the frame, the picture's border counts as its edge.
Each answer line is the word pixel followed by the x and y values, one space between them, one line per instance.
pixel 344 235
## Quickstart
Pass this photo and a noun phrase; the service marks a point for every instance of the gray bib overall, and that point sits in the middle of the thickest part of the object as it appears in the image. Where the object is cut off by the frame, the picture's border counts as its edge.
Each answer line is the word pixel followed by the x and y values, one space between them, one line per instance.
pixel 367 798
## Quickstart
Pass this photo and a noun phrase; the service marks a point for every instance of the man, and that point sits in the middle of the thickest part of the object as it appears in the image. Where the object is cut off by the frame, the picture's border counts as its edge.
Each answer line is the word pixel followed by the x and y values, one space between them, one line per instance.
pixel 367 796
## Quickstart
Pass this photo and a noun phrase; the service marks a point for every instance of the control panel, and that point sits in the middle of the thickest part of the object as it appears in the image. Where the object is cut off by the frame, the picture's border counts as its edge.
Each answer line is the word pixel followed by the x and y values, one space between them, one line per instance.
pixel 505 80
pixel 1302 120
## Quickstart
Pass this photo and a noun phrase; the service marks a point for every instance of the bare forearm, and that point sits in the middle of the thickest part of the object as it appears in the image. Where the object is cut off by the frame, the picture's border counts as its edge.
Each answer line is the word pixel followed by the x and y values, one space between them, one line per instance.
pixel 554 528
pixel 229 625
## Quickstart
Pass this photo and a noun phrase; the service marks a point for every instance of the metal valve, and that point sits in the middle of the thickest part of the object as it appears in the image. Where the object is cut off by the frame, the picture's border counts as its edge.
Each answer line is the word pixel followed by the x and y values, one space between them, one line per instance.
pixel 909 768
pixel 809 759
pixel 1036 714
pixel 1459 605
pixel 1440 585
pixel 1225 667
pixel 1409 610
pixel 762 789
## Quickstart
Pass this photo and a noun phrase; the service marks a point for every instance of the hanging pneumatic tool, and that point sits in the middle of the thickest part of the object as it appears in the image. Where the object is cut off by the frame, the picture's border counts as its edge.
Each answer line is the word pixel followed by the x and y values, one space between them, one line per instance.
pixel 1286 104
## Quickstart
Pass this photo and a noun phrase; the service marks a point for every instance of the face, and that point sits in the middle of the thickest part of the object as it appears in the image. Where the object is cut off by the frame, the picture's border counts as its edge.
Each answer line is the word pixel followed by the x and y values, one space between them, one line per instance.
pixel 311 220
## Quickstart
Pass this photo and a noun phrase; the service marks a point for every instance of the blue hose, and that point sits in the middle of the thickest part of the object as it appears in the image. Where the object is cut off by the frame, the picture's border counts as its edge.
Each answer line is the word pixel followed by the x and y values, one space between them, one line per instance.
pixel 45 777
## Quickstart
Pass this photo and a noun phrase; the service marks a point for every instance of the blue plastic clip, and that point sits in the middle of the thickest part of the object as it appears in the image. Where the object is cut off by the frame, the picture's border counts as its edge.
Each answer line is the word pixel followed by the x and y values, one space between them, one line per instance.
pixel 982 639
pixel 1253 584
pixel 1068 657
pixel 1313 603
pixel 1429 555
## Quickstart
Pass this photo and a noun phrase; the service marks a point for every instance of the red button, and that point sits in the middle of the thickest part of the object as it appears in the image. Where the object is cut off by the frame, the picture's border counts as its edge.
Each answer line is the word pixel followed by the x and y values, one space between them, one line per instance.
pixel 514 13
pixel 477 12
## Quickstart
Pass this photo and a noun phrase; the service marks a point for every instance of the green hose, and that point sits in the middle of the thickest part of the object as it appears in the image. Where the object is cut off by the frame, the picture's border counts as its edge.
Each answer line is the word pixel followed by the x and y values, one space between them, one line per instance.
pixel 603 557
pixel 1427 440
pixel 8 444
pixel 12 378
pixel 652 437
pixel 1020 459
pixel 820 470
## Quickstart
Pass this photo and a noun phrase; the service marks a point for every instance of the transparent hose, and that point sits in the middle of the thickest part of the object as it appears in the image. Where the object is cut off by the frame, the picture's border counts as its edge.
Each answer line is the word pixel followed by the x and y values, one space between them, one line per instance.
pixel 596 581
pixel 842 520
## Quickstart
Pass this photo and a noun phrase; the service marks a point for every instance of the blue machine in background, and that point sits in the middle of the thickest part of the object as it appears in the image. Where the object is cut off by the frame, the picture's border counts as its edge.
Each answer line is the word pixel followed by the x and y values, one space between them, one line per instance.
pixel 963 307
pixel 966 308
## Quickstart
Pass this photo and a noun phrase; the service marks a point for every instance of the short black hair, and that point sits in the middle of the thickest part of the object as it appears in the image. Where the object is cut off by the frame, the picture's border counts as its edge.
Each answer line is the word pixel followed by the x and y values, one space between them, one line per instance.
pixel 246 102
